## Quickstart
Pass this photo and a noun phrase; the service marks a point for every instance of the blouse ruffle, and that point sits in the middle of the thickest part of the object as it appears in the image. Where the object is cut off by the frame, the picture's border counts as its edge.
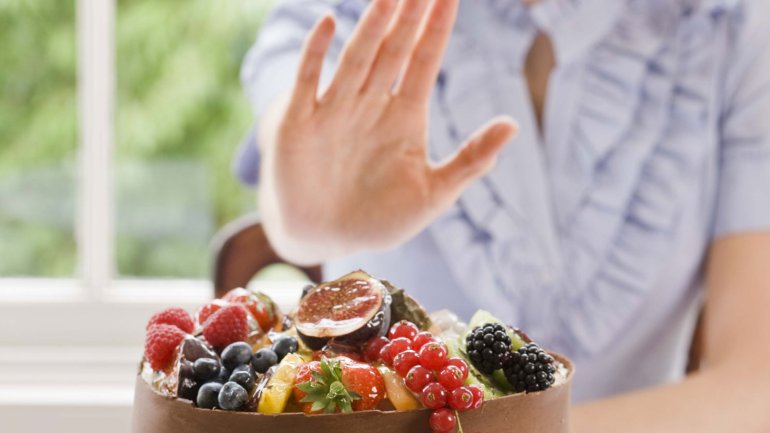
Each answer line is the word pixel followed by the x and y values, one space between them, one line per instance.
pixel 635 148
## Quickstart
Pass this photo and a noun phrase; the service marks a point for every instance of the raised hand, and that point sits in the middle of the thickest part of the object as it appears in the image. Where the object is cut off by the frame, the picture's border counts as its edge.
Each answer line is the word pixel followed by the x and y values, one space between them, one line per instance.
pixel 348 170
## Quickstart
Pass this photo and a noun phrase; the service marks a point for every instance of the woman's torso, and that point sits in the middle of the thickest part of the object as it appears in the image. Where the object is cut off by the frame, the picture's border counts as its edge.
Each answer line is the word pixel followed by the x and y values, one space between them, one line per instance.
pixel 590 235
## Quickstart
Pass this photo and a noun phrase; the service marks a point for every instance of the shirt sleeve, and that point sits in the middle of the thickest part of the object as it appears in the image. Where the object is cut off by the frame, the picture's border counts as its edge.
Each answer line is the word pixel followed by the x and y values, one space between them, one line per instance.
pixel 270 66
pixel 744 186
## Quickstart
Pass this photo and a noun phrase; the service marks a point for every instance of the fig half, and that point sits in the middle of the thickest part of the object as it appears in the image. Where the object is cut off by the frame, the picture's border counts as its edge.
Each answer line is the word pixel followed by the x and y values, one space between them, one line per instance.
pixel 350 310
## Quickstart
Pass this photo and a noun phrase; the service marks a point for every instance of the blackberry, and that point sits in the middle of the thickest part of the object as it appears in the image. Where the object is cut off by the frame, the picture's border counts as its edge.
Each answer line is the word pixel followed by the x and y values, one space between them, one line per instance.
pixel 488 347
pixel 530 369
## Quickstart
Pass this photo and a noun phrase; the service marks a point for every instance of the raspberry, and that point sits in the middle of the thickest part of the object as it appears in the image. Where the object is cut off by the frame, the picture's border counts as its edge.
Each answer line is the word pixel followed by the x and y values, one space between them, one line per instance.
pixel 228 325
pixel 207 310
pixel 173 316
pixel 161 345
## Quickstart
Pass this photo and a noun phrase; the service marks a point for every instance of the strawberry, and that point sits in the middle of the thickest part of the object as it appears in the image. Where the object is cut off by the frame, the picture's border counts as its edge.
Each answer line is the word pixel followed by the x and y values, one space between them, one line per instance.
pixel 259 305
pixel 161 345
pixel 338 385
pixel 207 310
pixel 173 316
pixel 226 326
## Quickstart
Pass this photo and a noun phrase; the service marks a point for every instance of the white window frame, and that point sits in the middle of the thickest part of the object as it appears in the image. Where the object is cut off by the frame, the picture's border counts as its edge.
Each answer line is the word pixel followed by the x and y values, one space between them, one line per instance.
pixel 68 302
pixel 95 318
pixel 70 347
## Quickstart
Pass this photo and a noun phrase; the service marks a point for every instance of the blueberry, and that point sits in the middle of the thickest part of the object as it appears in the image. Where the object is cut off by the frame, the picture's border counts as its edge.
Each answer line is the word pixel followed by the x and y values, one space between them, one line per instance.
pixel 284 346
pixel 224 376
pixel 263 360
pixel 232 396
pixel 243 378
pixel 205 369
pixel 236 354
pixel 208 395
pixel 248 369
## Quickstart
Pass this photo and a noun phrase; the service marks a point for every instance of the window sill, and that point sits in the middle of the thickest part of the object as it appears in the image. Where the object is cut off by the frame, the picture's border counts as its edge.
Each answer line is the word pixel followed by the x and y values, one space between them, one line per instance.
pixel 75 389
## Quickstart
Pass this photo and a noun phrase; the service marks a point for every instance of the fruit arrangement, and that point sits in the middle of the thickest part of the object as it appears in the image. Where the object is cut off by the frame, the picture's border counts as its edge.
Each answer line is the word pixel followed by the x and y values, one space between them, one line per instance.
pixel 353 344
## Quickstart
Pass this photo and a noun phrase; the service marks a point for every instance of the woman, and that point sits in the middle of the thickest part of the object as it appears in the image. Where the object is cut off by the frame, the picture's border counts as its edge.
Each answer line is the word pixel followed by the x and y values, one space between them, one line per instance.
pixel 638 186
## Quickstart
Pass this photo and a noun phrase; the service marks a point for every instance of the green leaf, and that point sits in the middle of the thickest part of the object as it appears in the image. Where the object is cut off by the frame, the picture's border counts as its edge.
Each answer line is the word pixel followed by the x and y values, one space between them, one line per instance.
pixel 319 405
pixel 346 407
pixel 326 390
pixel 337 389
pixel 331 407
pixel 306 387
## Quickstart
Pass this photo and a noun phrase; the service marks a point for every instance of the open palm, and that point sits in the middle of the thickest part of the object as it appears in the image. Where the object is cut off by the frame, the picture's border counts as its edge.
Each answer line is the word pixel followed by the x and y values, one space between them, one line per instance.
pixel 349 169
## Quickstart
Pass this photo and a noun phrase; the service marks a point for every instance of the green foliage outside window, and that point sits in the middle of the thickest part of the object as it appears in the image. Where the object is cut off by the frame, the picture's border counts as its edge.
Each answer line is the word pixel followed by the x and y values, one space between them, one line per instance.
pixel 180 115
pixel 38 137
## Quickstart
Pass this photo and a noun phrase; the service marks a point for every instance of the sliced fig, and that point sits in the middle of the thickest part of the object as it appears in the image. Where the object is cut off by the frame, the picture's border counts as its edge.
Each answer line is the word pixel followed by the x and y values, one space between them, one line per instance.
pixel 350 310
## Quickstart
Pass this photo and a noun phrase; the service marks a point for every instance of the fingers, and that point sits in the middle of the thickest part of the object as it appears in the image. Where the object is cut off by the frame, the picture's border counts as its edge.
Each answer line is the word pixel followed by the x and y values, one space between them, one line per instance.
pixel 423 68
pixel 360 52
pixel 311 63
pixel 478 155
pixel 397 45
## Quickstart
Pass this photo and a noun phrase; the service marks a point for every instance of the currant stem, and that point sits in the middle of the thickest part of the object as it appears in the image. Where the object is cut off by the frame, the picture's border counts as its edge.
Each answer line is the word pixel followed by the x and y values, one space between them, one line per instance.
pixel 459 424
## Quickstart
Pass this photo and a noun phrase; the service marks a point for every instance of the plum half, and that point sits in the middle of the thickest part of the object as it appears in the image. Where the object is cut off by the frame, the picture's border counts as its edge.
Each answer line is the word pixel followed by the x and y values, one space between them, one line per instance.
pixel 350 310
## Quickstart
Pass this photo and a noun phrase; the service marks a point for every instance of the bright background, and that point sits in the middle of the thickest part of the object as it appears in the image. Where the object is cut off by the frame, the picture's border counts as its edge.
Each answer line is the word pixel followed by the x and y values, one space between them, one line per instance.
pixel 118 122
pixel 180 112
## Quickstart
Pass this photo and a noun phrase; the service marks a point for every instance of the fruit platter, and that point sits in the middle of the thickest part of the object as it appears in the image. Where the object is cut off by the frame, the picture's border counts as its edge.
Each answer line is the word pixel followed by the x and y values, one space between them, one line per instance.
pixel 357 354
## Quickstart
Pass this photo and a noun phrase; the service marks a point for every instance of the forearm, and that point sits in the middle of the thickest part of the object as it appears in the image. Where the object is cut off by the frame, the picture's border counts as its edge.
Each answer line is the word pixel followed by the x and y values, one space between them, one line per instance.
pixel 731 398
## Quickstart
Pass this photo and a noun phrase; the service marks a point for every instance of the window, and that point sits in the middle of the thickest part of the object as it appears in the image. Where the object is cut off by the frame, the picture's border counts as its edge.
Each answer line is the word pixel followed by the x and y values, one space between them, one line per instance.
pixel 118 119
pixel 180 113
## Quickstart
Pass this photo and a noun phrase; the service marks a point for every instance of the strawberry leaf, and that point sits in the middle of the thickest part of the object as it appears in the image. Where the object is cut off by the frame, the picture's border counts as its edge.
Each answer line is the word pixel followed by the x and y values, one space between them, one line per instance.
pixel 326 391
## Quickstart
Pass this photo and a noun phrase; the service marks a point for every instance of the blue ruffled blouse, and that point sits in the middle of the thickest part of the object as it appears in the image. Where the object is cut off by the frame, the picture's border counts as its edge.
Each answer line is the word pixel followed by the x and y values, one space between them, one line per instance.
pixel 591 235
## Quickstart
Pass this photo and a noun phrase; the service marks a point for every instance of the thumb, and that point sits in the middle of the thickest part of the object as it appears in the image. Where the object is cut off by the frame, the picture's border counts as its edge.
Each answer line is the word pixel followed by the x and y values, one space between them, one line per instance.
pixel 478 155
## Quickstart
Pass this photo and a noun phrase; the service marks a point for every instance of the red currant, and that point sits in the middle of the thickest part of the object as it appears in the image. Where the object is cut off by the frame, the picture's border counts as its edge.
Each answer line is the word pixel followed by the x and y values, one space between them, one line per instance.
pixel 443 421
pixel 403 329
pixel 390 350
pixel 461 398
pixel 420 340
pixel 459 363
pixel 404 361
pixel 385 354
pixel 373 347
pixel 433 355
pixel 450 377
pixel 433 396
pixel 400 344
pixel 418 378
pixel 478 396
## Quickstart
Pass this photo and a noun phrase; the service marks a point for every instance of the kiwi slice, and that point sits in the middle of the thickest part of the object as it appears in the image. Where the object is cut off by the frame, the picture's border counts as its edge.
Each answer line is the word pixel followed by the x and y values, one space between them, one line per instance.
pixel 483 317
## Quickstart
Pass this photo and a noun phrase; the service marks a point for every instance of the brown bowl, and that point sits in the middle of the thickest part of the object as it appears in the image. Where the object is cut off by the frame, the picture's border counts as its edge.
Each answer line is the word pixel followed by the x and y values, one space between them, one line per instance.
pixel 541 412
